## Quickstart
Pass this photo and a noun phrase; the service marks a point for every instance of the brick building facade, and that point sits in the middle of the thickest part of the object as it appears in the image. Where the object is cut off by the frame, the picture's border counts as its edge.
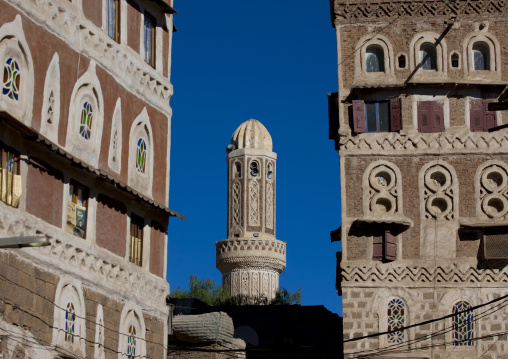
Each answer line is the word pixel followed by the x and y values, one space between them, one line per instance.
pixel 423 183
pixel 84 139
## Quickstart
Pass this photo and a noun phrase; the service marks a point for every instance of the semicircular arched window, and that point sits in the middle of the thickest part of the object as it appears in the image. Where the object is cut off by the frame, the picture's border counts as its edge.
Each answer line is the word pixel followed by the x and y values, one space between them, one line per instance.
pixel 131 343
pixel 141 156
pixel 462 324
pixel 481 56
pixel 375 59
pixel 70 318
pixel 396 317
pixel 85 127
pixel 12 78
pixel 428 56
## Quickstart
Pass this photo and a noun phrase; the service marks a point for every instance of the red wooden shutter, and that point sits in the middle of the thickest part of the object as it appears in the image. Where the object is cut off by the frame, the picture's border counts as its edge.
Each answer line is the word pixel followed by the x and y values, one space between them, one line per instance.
pixel 390 246
pixel 395 114
pixel 437 117
pixel 424 115
pixel 490 116
pixel 359 116
pixel 377 248
pixel 476 116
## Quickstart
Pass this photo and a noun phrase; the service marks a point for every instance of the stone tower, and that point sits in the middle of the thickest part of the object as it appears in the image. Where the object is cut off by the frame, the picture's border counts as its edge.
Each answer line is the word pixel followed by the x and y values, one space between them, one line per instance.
pixel 251 258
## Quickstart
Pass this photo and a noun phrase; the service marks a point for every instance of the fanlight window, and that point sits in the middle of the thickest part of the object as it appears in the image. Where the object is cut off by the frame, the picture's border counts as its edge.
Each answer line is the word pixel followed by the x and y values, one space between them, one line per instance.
pixel 70 318
pixel 428 56
pixel 85 127
pixel 462 324
pixel 141 156
pixel 481 56
pixel 375 59
pixel 131 343
pixel 395 320
pixel 12 79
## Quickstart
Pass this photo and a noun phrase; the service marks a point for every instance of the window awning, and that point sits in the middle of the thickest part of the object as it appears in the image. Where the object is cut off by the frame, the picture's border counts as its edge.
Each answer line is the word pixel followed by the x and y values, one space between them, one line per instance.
pixel 474 222
pixel 386 219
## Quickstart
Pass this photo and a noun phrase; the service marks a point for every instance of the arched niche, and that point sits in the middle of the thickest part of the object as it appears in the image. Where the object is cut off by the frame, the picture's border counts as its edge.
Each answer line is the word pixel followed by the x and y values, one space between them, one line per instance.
pixel 17 92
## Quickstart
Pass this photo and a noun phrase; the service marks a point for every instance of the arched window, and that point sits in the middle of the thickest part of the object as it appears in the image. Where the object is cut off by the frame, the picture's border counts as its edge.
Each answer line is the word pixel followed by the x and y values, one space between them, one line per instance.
pixel 131 342
pixel 70 318
pixel 141 155
pixel 396 320
pixel 375 59
pixel 462 324
pixel 85 127
pixel 428 56
pixel 481 56
pixel 12 78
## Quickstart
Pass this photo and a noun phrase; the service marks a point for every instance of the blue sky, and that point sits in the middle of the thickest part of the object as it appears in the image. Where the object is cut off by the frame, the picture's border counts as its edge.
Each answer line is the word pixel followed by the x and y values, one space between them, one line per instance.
pixel 275 62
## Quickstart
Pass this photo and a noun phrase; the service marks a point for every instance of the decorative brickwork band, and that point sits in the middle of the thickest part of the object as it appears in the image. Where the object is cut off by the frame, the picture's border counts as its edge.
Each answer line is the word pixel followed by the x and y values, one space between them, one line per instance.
pixel 351 11
pixel 416 273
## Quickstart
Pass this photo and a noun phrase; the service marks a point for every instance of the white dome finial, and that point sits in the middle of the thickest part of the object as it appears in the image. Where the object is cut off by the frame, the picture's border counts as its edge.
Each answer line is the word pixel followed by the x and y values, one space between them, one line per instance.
pixel 252 134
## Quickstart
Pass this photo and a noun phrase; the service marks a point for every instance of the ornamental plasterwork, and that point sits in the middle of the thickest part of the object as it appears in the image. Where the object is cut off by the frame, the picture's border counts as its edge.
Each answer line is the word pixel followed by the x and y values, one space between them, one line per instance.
pixel 438 191
pixel 84 37
pixel 492 190
pixel 382 189
pixel 447 272
pixel 351 11
pixel 457 141
pixel 86 261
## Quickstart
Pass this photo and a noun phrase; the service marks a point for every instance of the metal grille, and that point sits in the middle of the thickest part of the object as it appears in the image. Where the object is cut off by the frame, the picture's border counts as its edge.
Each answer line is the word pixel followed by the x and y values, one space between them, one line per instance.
pixel 496 245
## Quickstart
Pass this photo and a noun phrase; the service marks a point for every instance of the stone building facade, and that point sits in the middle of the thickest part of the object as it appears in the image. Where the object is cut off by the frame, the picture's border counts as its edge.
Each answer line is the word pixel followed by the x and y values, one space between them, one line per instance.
pixel 84 139
pixel 423 182
pixel 251 258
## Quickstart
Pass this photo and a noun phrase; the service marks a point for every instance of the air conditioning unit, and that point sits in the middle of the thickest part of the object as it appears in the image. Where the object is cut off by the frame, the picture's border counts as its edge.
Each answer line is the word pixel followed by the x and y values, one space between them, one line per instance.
pixel 495 245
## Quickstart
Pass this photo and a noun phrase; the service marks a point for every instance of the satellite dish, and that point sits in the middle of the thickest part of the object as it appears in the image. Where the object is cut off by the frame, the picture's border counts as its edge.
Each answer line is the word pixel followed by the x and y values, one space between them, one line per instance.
pixel 230 148
pixel 270 174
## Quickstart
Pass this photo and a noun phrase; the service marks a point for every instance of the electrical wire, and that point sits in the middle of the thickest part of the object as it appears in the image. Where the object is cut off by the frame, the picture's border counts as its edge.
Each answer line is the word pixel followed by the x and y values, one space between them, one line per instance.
pixel 443 331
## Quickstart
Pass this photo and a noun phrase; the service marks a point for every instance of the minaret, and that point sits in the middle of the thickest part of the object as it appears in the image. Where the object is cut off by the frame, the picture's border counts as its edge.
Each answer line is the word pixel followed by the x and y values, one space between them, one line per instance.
pixel 251 258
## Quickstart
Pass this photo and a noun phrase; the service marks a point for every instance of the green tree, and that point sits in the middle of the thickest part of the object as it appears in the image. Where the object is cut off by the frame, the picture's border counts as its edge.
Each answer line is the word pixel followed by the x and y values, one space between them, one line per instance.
pixel 205 290
pixel 284 297
pixel 218 295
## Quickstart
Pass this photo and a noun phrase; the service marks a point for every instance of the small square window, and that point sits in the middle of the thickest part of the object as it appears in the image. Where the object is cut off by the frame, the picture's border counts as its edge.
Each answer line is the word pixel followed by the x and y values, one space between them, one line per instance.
pixel 113 19
pixel 149 39
pixel 136 240
pixel 77 206
pixel 10 179
pixel 377 116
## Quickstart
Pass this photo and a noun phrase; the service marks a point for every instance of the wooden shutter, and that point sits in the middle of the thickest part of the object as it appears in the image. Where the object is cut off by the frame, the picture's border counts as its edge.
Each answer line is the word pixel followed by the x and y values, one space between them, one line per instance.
pixel 359 116
pixel 395 114
pixel 490 119
pixel 390 246
pixel 437 117
pixel 424 115
pixel 377 248
pixel 476 116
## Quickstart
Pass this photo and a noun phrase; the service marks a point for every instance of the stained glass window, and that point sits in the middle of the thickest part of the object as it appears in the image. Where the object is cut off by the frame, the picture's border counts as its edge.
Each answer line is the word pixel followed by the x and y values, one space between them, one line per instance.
pixel 141 156
pixel 481 56
pixel 85 127
pixel 131 343
pixel 70 318
pixel 12 79
pixel 375 59
pixel 428 57
pixel 462 324
pixel 395 320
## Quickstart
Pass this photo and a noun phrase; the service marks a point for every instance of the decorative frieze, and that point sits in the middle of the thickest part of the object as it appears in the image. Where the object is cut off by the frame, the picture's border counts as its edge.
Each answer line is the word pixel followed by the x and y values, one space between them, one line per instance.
pixel 351 11
pixel 123 63
pixel 425 143
pixel 420 273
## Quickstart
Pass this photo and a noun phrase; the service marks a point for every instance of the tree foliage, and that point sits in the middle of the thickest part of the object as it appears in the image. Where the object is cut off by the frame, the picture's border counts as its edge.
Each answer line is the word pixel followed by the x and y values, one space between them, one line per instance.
pixel 218 295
